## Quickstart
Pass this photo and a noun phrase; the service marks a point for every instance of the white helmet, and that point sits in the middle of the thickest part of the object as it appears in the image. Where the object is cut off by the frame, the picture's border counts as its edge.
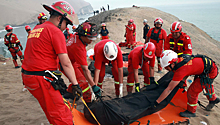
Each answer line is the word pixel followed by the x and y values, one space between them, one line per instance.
pixel 145 21
pixel 110 51
pixel 168 57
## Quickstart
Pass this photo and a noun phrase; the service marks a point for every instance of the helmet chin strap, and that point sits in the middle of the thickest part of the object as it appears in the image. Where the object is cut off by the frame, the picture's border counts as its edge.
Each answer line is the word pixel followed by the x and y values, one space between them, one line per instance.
pixel 61 20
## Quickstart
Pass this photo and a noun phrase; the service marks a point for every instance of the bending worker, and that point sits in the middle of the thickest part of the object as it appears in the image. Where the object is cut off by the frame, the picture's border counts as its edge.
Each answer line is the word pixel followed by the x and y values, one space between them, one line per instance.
pixel 45 45
pixel 13 43
pixel 106 51
pixel 144 57
pixel 178 41
pixel 157 36
pixel 205 71
pixel 76 48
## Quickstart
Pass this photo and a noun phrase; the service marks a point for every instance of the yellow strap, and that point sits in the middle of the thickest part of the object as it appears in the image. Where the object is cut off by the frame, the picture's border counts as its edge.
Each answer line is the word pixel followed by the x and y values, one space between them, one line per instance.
pixel 180 44
pixel 99 83
pixel 85 89
pixel 130 84
pixel 179 53
pixel 192 104
pixel 171 42
pixel 116 82
pixel 89 110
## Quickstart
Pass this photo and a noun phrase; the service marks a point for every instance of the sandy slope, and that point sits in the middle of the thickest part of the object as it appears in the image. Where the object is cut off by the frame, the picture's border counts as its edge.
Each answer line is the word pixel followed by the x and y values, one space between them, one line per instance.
pixel 19 107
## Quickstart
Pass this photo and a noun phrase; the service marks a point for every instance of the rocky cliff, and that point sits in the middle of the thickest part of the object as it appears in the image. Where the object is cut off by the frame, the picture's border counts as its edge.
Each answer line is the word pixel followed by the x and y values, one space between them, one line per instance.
pixel 21 12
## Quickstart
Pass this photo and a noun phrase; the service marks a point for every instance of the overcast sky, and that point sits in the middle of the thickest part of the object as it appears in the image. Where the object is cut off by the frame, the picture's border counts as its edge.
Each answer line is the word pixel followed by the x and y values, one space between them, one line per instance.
pixel 96 4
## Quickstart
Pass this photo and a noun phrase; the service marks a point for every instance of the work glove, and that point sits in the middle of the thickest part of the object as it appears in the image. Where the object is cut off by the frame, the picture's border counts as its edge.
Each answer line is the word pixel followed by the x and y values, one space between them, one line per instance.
pixel 154 104
pixel 21 47
pixel 133 34
pixel 125 35
pixel 97 91
pixel 137 87
pixel 152 81
pixel 181 83
pixel 77 91
pixel 120 90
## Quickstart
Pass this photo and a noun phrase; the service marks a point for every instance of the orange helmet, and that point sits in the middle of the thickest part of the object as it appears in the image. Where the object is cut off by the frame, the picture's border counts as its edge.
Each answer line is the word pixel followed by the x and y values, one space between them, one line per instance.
pixel 87 29
pixel 64 8
pixel 42 16
pixel 158 21
pixel 74 27
pixel 103 24
pixel 149 49
pixel 8 27
pixel 176 27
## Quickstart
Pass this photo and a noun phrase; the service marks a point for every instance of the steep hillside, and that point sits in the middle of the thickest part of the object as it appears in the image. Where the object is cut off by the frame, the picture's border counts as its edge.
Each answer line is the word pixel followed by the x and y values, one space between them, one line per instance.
pixel 19 12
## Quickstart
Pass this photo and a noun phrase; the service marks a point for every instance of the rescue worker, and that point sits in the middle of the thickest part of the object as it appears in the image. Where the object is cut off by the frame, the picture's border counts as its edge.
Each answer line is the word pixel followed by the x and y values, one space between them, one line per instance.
pixel 76 48
pixel 45 45
pixel 106 51
pixel 200 66
pixel 157 36
pixel 178 41
pixel 67 34
pixel 104 32
pixel 13 44
pixel 28 29
pixel 145 29
pixel 130 34
pixel 144 57
pixel 73 29
pixel 42 17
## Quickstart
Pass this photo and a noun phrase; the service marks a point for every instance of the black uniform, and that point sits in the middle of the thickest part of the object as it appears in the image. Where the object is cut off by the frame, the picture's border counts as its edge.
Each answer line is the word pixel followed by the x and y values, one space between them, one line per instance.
pixel 146 29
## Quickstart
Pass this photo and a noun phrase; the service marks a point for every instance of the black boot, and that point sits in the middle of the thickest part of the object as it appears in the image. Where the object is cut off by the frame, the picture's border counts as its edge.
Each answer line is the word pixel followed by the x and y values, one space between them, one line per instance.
pixel 187 114
pixel 212 104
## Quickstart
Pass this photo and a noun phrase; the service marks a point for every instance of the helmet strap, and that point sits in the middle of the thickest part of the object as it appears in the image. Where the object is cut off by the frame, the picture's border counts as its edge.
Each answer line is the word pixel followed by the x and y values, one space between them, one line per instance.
pixel 82 41
pixel 61 20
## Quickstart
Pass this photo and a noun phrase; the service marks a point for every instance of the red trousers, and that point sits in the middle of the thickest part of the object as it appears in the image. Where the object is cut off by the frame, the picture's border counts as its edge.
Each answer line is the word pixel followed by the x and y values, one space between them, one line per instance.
pixel 130 78
pixel 195 88
pixel 104 37
pixel 130 40
pixel 50 100
pixel 114 73
pixel 14 56
pixel 84 85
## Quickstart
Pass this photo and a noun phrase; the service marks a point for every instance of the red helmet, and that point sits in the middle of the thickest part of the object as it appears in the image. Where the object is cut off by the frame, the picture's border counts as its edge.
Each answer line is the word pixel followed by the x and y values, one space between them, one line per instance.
pixel 42 16
pixel 103 24
pixel 149 49
pixel 63 8
pixel 158 21
pixel 8 27
pixel 175 27
pixel 74 27
pixel 67 28
pixel 27 27
pixel 131 21
pixel 87 29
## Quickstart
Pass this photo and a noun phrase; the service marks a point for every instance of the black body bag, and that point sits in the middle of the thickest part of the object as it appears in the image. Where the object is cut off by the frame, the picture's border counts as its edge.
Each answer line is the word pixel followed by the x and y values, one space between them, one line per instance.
pixel 130 107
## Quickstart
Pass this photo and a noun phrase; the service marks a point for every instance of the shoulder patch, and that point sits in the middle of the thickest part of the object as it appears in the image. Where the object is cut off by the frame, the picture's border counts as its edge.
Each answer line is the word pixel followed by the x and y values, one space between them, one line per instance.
pixel 187 37
pixel 189 46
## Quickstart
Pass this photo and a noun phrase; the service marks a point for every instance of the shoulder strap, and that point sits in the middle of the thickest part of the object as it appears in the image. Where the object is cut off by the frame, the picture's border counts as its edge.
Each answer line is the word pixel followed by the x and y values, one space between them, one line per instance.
pixel 186 59
pixel 8 38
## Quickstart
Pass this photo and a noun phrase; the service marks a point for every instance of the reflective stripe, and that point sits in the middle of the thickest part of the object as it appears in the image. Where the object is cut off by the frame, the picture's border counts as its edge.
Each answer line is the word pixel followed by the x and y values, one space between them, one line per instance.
pixel 191 104
pixel 179 53
pixel 212 93
pixel 100 83
pixel 146 84
pixel 130 84
pixel 180 44
pixel 116 82
pixel 171 42
pixel 85 89
pixel 17 41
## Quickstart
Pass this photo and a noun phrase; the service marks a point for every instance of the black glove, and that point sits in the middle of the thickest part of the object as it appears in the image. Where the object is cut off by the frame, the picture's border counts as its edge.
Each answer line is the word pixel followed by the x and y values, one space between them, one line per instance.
pixel 181 83
pixel 21 47
pixel 137 87
pixel 152 81
pixel 97 91
pixel 154 104
pixel 77 91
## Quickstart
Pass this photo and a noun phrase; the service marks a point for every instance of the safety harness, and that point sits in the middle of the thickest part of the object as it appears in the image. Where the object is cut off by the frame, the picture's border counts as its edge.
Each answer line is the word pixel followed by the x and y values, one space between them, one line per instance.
pixel 11 45
pixel 204 77
pixel 155 36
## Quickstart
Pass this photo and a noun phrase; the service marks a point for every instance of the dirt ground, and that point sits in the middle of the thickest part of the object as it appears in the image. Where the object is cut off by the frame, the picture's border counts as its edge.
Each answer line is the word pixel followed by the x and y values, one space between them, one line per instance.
pixel 20 107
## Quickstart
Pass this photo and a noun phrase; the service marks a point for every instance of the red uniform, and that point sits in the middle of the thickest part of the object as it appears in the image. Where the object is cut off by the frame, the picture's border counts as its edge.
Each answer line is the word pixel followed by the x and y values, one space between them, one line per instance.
pixel 195 67
pixel 44 43
pixel 13 47
pixel 129 36
pixel 157 41
pixel 135 59
pixel 182 45
pixel 77 54
pixel 134 36
pixel 100 61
